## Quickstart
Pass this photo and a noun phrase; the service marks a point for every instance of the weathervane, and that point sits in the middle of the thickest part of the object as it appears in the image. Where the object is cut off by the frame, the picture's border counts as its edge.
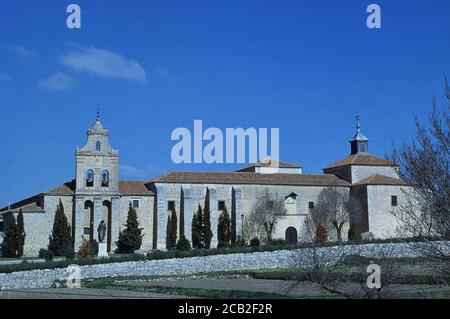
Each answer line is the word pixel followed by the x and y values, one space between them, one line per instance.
pixel 358 126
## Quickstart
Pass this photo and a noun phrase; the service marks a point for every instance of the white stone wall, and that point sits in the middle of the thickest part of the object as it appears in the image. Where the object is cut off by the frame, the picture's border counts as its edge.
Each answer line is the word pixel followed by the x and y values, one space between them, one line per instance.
pixel 39 225
pixel 222 192
pixel 305 194
pixel 145 218
pixel 382 222
pixel 361 172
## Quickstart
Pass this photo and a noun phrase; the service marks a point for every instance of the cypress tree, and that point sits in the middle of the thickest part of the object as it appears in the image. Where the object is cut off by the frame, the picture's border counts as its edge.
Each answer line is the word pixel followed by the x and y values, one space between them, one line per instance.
pixel 233 215
pixel 60 240
pixel 169 244
pixel 181 211
pixel 183 244
pixel 224 229
pixel 207 222
pixel 173 229
pixel 9 245
pixel 130 239
pixel 20 235
pixel 197 222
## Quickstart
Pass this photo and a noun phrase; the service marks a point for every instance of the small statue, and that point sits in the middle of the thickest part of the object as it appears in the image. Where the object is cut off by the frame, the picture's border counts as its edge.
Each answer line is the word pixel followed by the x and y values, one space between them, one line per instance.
pixel 101 229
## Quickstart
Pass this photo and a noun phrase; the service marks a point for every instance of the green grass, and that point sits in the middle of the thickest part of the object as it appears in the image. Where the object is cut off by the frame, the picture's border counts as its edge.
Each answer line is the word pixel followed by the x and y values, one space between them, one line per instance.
pixel 441 294
pixel 275 274
pixel 107 283
pixel 207 293
pixel 346 275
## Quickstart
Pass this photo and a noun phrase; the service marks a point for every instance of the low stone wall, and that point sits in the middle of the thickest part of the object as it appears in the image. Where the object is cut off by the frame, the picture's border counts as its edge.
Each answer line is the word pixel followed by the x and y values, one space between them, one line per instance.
pixel 259 260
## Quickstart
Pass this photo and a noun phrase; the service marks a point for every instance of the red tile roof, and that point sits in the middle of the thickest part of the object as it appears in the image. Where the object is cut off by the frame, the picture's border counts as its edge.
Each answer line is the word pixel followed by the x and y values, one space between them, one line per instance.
pixel 363 160
pixel 126 187
pixel 251 178
pixel 137 188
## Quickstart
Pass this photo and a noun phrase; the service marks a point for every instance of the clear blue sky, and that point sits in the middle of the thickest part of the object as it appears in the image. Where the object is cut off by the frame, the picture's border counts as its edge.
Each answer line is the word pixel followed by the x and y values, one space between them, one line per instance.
pixel 305 67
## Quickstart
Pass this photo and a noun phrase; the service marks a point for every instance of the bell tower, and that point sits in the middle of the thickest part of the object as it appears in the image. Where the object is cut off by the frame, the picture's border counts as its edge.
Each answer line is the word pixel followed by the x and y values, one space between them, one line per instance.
pixel 359 143
pixel 97 195
pixel 97 163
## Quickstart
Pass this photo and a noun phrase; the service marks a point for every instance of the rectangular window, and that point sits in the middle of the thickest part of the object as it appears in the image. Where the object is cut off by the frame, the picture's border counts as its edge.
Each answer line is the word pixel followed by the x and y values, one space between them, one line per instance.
pixel 311 205
pixel 270 204
pixel 221 205
pixel 393 200
pixel 171 206
pixel 135 203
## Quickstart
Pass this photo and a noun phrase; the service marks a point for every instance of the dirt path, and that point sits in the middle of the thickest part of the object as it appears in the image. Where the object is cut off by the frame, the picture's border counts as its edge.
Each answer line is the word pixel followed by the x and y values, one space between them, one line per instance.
pixel 83 293
pixel 289 288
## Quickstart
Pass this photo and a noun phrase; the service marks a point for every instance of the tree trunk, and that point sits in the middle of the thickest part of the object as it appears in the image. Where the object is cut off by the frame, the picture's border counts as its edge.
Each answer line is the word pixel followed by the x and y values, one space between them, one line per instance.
pixel 339 233
pixel 268 228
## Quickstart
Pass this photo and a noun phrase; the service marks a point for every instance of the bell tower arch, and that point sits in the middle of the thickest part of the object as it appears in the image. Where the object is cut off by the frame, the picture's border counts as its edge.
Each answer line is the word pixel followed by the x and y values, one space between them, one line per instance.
pixel 97 163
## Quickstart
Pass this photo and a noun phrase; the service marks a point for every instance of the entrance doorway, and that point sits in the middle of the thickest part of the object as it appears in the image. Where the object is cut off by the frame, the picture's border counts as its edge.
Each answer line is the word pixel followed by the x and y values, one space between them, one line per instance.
pixel 291 236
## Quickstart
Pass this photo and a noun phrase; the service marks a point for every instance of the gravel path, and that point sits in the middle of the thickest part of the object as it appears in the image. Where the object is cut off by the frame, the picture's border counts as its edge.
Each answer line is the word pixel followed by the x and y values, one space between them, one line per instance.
pixel 276 259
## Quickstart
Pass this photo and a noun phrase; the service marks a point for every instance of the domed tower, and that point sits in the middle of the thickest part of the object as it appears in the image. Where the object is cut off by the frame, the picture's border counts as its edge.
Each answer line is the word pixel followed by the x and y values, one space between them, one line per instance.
pixel 359 143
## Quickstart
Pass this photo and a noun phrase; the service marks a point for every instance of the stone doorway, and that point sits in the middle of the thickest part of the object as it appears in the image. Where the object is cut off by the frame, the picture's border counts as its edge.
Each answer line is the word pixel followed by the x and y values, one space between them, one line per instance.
pixel 291 236
pixel 88 221
pixel 107 212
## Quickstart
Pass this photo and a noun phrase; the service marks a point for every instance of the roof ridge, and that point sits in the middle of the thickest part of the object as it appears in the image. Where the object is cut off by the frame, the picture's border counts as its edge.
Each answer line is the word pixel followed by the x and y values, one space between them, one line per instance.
pixel 375 178
pixel 366 159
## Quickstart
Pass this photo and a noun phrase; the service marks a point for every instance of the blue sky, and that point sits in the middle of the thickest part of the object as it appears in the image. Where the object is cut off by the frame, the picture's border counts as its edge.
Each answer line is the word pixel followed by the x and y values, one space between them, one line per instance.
pixel 305 67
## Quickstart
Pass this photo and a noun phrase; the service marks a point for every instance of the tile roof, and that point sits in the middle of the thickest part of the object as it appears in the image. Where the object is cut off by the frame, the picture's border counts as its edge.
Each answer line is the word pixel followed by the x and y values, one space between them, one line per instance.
pixel 126 187
pixel 378 179
pixel 138 188
pixel 251 178
pixel 28 205
pixel 268 163
pixel 31 208
pixel 67 188
pixel 363 160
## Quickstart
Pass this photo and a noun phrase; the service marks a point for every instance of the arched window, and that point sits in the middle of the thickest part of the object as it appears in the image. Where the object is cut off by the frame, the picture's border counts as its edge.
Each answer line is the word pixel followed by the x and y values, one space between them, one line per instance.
pixel 89 178
pixel 98 146
pixel 105 178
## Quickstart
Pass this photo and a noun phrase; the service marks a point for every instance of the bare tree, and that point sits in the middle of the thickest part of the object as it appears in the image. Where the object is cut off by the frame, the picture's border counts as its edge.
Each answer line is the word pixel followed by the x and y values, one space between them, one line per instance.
pixel 424 164
pixel 318 225
pixel 252 230
pixel 321 264
pixel 328 267
pixel 265 211
pixel 335 205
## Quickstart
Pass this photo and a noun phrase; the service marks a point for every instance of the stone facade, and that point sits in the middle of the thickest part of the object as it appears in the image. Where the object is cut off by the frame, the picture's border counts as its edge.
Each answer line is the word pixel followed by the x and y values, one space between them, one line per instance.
pixel 98 194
